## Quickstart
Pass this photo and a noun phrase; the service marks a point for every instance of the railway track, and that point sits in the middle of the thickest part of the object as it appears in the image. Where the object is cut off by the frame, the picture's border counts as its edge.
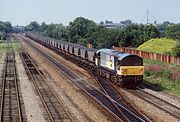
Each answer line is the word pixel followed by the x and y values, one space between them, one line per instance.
pixel 113 108
pixel 163 105
pixel 111 90
pixel 160 103
pixel 55 110
pixel 10 96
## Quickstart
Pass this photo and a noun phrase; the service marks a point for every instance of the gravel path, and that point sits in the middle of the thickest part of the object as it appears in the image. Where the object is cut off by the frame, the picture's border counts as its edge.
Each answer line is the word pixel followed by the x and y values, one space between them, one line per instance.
pixel 31 100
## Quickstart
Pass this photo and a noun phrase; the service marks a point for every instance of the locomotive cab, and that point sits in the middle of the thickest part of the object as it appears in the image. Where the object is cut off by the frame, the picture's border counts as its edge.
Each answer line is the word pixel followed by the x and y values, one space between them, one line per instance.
pixel 130 68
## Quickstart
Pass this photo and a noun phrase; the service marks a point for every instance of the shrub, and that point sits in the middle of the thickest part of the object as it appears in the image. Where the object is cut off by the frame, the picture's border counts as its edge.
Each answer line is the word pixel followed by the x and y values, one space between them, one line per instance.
pixel 159 45
pixel 176 50
pixel 160 71
pixel 166 73
pixel 148 73
pixel 155 68
pixel 176 75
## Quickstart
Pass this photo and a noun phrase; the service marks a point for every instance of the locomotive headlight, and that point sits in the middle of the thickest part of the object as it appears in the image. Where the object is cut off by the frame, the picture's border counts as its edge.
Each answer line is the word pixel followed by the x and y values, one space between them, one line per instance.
pixel 124 70
pixel 142 70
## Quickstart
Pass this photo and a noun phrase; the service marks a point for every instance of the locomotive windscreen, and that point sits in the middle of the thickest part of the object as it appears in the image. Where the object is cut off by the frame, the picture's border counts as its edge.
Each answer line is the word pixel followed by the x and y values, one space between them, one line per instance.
pixel 132 61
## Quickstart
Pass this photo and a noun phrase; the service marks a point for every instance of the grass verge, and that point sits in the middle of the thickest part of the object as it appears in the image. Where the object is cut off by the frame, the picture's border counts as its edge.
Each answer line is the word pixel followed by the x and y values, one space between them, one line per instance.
pixel 166 85
pixel 15 44
pixel 165 77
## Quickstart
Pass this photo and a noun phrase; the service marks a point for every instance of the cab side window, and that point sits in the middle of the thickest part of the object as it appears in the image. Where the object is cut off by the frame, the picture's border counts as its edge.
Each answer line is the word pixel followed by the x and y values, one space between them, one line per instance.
pixel 118 65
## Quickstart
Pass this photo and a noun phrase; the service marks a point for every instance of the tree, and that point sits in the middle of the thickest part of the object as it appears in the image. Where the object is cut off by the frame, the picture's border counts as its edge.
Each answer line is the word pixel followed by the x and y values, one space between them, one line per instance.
pixel 79 28
pixel 33 26
pixel 173 31
pixel 43 27
pixel 150 32
pixel 18 29
pixel 126 22
pixel 162 27
pixel 176 49
pixel 8 27
pixel 5 28
pixel 50 30
pixel 134 35
pixel 57 31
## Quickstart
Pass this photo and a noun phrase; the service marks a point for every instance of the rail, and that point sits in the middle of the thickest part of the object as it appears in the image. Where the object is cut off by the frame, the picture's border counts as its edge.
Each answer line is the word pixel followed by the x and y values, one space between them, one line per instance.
pixel 108 103
pixel 10 99
pixel 168 107
pixel 53 106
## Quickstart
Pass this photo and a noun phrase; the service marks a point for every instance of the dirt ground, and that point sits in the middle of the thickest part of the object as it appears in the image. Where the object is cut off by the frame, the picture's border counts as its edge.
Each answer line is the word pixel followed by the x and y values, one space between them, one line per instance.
pixel 77 104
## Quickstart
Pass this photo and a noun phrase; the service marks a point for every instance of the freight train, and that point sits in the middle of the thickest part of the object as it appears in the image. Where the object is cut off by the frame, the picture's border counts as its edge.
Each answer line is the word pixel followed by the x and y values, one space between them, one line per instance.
pixel 119 67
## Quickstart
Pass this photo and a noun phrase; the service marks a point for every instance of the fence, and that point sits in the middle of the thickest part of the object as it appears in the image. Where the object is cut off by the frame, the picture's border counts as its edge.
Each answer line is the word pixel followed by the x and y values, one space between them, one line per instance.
pixel 149 55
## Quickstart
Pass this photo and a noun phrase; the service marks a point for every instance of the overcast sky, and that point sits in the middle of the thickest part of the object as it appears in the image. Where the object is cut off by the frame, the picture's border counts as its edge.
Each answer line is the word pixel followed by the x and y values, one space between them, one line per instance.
pixel 22 12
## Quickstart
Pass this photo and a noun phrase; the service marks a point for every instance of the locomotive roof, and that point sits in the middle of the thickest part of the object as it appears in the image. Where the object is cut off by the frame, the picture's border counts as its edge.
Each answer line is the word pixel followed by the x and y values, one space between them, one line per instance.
pixel 119 55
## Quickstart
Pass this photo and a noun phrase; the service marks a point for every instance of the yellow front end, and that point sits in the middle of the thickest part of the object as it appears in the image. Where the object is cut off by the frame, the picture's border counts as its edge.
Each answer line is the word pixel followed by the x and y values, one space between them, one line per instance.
pixel 131 70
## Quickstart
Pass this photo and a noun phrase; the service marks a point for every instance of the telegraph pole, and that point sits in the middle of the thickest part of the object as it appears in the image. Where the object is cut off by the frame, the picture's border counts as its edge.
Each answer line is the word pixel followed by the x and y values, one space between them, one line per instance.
pixel 147 17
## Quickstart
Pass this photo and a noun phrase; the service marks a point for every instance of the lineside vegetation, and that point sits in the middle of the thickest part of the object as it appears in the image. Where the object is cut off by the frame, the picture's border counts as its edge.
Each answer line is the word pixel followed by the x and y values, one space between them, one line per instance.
pixel 15 44
pixel 163 76
pixel 159 45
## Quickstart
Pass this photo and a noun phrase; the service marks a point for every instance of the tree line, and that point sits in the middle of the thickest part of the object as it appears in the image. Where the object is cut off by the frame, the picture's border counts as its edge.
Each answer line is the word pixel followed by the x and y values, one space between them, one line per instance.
pixel 84 31
pixel 5 28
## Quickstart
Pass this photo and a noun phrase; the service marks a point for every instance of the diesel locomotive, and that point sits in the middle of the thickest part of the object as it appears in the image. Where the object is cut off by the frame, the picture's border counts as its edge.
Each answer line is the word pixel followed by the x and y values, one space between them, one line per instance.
pixel 119 67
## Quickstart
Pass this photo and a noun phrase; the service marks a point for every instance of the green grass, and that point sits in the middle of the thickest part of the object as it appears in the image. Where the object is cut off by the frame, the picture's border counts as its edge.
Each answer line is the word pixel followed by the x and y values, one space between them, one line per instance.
pixel 165 84
pixel 162 80
pixel 16 45
pixel 159 45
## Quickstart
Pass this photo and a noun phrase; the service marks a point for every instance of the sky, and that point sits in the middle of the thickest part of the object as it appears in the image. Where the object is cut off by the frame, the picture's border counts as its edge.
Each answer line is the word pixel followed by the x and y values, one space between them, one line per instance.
pixel 22 12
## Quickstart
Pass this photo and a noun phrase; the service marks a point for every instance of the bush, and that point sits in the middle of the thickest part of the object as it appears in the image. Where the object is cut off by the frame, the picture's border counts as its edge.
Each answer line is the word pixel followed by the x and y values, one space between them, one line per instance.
pixel 176 50
pixel 176 75
pixel 159 45
pixel 154 68
pixel 166 73
pixel 159 71
pixel 148 73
